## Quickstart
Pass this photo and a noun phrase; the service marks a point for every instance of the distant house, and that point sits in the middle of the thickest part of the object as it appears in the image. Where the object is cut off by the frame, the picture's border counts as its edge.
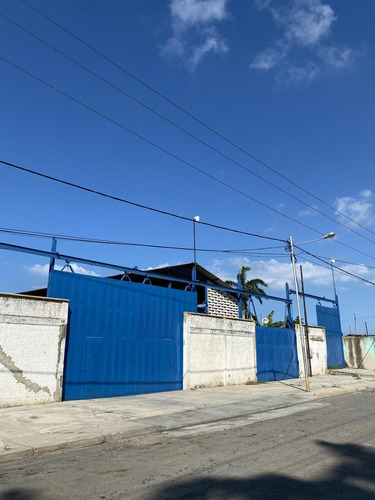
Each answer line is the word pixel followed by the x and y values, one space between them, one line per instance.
pixel 211 301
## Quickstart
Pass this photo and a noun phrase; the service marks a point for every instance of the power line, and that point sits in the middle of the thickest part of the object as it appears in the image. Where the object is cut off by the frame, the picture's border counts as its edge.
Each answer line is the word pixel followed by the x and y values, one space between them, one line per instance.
pixel 174 124
pixel 196 119
pixel 139 205
pixel 38 234
pixel 335 267
pixel 160 148
pixel 139 136
pixel 339 269
pixel 347 262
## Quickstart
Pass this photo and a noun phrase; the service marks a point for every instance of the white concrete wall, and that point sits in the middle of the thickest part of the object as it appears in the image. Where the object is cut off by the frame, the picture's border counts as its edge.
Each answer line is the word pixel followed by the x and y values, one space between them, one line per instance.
pixel 318 350
pixel 359 352
pixel 32 346
pixel 218 351
pixel 221 303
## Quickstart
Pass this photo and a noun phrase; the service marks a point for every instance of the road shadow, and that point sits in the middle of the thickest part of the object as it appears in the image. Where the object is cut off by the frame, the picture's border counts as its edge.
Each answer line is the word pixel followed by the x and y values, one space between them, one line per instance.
pixel 21 494
pixel 352 478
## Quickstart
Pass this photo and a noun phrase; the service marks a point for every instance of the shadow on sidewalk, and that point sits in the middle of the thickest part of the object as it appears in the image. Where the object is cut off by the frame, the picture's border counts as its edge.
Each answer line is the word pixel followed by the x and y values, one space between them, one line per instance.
pixel 292 386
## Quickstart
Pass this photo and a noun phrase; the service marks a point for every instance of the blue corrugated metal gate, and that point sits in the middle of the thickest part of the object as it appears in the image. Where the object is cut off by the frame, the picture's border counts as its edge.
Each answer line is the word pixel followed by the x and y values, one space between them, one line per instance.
pixel 124 338
pixel 276 353
pixel 329 317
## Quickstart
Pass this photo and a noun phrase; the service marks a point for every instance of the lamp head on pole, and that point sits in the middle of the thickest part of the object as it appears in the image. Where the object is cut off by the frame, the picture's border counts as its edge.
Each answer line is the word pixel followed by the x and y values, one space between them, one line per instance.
pixel 329 235
pixel 196 218
pixel 325 237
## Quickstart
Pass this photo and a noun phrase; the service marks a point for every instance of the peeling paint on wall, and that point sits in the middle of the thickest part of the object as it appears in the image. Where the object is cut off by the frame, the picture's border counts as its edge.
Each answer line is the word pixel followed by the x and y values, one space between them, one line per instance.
pixel 17 373
pixel 32 348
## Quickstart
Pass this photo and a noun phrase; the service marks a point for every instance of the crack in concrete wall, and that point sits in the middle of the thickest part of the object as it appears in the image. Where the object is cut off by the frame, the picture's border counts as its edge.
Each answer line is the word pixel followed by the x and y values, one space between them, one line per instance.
pixel 17 373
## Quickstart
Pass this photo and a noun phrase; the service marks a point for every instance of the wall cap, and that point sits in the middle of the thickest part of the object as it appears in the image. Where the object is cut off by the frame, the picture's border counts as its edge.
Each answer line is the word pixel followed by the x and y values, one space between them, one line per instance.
pixel 203 315
pixel 31 297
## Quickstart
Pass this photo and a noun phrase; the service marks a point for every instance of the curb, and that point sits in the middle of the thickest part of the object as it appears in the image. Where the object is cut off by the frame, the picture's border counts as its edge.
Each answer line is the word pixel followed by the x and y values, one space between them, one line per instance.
pixel 29 452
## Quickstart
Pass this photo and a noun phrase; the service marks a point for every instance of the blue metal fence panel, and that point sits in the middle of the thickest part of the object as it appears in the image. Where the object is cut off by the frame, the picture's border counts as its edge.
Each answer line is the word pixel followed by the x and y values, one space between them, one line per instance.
pixel 124 338
pixel 329 317
pixel 276 353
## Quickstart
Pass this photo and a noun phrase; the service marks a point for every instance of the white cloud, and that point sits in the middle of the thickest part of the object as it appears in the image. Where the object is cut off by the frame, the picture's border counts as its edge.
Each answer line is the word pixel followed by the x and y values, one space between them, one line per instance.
pixel 160 266
pixel 276 273
pixel 268 58
pixel 336 57
pixel 273 272
pixel 261 4
pixel 297 75
pixel 38 269
pixel 190 12
pixel 42 270
pixel 360 208
pixel 212 43
pixel 194 32
pixel 309 212
pixel 305 24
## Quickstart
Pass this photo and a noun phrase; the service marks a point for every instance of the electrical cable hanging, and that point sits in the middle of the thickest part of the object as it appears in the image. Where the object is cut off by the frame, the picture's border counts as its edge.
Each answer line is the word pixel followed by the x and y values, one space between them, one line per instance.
pixel 139 136
pixel 193 117
pixel 151 143
pixel 139 205
pixel 335 267
pixel 347 262
pixel 212 148
pixel 38 234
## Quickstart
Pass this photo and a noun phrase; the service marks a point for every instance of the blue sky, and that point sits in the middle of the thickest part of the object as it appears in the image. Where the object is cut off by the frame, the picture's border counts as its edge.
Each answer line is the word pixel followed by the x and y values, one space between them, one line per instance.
pixel 291 82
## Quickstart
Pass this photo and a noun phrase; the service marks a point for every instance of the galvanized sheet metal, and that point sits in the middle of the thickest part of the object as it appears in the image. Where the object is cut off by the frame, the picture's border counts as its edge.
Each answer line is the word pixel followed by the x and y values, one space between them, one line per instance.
pixel 329 317
pixel 123 338
pixel 276 353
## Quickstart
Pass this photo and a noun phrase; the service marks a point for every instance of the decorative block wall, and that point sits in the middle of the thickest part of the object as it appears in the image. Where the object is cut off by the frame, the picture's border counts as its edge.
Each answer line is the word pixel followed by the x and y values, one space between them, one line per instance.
pixel 221 303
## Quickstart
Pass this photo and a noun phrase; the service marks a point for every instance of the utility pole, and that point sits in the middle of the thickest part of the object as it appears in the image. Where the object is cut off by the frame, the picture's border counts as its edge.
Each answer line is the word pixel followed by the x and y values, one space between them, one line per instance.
pixel 306 324
pixel 366 328
pixel 355 324
pixel 303 345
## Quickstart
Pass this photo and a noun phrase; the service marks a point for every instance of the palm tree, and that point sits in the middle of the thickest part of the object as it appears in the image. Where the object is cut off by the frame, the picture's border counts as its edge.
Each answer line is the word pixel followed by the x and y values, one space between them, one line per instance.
pixel 248 285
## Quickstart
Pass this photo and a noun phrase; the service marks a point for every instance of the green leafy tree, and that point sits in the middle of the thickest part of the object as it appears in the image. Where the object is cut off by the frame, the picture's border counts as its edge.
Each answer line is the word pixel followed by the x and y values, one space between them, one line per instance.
pixel 253 285
pixel 272 323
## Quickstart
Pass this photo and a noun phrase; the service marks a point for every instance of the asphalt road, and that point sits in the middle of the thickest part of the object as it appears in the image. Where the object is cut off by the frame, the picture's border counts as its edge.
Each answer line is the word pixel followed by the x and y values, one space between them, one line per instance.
pixel 324 450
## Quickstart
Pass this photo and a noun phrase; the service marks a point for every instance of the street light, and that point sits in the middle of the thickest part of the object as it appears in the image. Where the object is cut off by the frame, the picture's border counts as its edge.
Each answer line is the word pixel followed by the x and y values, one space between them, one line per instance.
pixel 325 237
pixel 293 259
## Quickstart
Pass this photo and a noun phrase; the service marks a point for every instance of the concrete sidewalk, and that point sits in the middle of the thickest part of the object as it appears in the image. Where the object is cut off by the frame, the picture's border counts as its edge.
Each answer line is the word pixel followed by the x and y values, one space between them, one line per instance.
pixel 31 431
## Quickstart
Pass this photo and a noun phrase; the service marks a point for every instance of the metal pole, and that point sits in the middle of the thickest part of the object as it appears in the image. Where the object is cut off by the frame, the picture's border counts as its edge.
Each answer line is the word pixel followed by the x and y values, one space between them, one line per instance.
pixel 355 324
pixel 194 271
pixel 307 340
pixel 366 328
pixel 51 262
pixel 240 299
pixel 53 250
pixel 293 259
pixel 195 219
pixel 332 261
pixel 195 250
